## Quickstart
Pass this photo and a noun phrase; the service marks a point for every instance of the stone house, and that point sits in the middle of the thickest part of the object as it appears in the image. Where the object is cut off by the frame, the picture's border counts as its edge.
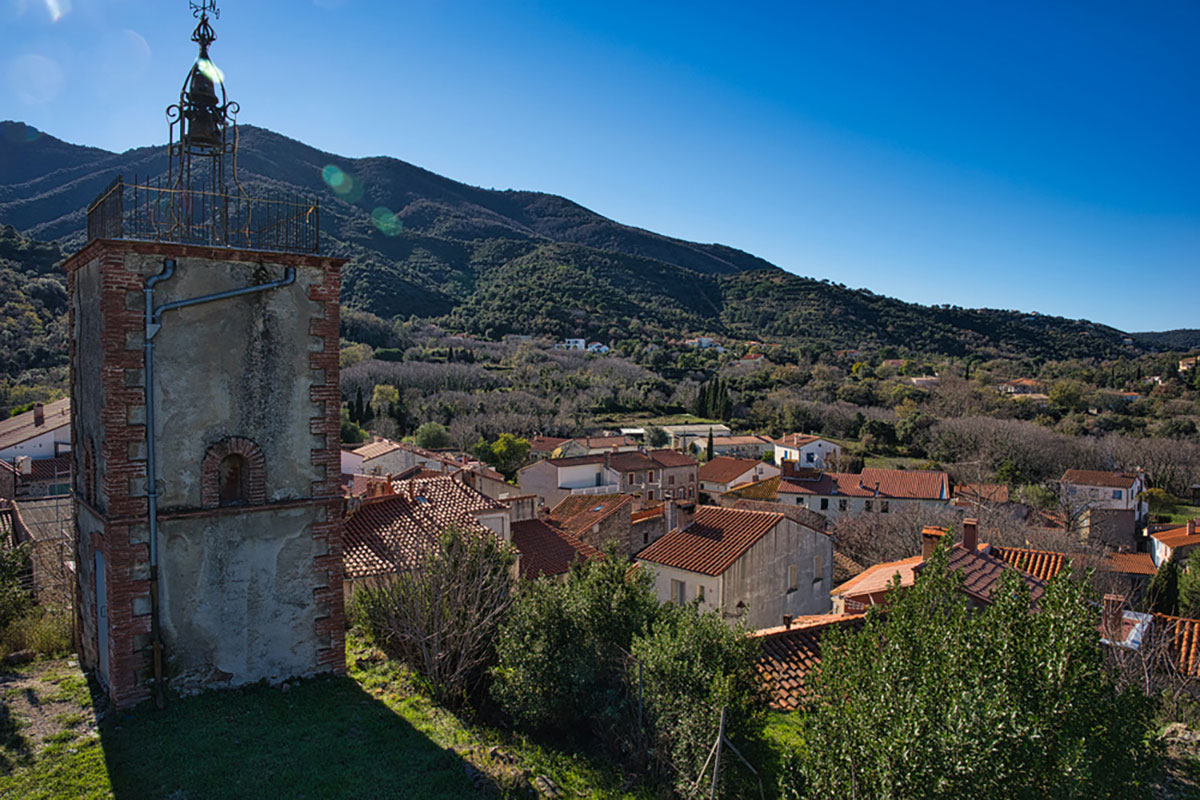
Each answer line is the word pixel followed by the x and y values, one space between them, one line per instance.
pixel 834 494
pixel 754 567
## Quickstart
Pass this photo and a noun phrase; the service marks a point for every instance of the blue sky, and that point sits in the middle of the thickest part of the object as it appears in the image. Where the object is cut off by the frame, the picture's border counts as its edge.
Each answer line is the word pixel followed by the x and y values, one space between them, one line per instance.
pixel 1040 156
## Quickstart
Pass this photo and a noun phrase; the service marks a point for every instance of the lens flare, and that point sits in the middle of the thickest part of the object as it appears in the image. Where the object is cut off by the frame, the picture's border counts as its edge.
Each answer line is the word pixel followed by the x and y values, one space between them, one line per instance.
pixel 36 79
pixel 344 184
pixel 210 70
pixel 58 9
pixel 386 221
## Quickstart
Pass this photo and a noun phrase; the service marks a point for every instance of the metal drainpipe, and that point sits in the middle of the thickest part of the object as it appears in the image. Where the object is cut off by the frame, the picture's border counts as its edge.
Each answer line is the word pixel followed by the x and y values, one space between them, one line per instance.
pixel 153 325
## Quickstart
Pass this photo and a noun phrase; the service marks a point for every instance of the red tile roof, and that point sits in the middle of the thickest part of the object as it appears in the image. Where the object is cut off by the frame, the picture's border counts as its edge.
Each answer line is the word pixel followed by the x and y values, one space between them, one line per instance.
pixel 797 439
pixel 1041 564
pixel 980 572
pixel 788 655
pixel 1177 537
pixel 546 444
pixel 716 539
pixel 1092 477
pixel 983 492
pixel 546 550
pixel 724 469
pixel 845 567
pixel 578 512
pixel 1184 642
pixel 48 469
pixel 894 484
pixel 1130 563
pixel 14 430
pixel 395 531
pixel 735 441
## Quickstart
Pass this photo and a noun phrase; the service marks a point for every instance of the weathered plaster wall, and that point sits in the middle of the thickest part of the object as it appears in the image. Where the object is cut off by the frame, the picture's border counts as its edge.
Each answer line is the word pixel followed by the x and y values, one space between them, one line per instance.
pixel 760 577
pixel 237 598
pixel 234 367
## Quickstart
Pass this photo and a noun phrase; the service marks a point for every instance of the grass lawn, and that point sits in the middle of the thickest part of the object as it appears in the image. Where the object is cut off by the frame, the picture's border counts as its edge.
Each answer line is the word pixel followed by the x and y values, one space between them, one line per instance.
pixel 371 733
pixel 1181 514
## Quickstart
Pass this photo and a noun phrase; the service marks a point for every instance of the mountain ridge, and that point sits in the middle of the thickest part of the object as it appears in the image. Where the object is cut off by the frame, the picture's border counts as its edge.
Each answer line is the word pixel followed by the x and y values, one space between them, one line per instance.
pixel 479 259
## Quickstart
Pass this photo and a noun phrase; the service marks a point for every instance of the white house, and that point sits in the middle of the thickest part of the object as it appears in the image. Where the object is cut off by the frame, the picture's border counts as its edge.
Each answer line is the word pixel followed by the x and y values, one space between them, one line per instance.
pixel 1118 491
pixel 597 347
pixel 571 344
pixel 1177 542
pixel 808 451
pixel 43 432
pixel 724 472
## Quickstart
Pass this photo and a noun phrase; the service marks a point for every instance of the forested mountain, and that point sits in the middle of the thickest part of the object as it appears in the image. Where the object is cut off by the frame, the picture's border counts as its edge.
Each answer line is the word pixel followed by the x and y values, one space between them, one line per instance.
pixel 495 262
pixel 1182 339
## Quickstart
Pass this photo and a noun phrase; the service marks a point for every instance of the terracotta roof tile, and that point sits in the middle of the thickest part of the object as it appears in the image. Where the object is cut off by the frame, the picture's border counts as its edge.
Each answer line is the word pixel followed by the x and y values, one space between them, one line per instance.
pixel 546 550
pixel 546 444
pixel 845 567
pixel 578 512
pixel 1041 564
pixel 1177 537
pixel 1184 642
pixel 1091 477
pixel 396 531
pixel 1131 563
pixel 788 655
pixel 797 440
pixel 716 539
pixel 735 441
pixel 878 578
pixel 984 492
pixel 724 469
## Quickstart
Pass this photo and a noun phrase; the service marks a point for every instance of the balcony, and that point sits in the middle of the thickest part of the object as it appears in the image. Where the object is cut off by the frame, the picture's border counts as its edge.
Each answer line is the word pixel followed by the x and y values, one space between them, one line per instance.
pixel 610 488
pixel 151 212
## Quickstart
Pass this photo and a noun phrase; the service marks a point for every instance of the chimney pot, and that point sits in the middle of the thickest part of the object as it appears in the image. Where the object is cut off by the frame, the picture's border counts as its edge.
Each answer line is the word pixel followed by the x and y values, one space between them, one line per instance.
pixel 970 537
pixel 787 621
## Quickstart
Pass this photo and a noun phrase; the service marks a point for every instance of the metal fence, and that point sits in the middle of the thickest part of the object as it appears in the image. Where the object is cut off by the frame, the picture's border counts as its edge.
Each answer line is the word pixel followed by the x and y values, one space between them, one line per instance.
pixel 151 211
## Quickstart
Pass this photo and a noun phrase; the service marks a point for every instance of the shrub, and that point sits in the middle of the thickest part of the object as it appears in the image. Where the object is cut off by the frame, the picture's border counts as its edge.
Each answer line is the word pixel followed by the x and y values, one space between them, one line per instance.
pixel 693 665
pixel 46 630
pixel 15 601
pixel 441 618
pixel 938 700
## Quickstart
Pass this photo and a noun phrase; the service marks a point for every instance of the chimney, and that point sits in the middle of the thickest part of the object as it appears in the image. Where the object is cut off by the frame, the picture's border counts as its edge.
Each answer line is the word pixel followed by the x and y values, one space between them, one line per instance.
pixel 1113 613
pixel 787 621
pixel 970 537
pixel 669 516
pixel 39 415
pixel 607 461
pixel 930 537
pixel 685 514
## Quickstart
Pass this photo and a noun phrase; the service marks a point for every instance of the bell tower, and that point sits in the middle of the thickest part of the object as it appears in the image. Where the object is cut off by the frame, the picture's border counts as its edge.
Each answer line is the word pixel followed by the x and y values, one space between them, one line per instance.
pixel 204 382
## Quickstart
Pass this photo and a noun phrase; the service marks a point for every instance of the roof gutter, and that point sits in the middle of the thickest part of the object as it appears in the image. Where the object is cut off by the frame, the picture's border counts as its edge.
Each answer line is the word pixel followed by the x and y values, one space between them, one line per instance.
pixel 153 318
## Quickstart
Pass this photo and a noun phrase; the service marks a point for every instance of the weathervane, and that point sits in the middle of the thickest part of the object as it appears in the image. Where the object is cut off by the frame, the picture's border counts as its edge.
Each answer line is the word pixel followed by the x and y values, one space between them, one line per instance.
pixel 200 126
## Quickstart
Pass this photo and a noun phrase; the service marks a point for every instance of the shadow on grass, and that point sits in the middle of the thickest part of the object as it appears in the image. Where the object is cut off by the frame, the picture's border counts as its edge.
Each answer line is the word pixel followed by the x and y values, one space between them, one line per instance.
pixel 326 737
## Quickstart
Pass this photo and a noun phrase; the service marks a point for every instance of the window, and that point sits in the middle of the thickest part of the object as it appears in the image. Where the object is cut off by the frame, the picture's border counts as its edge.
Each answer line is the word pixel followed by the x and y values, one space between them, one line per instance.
pixel 629 477
pixel 599 478
pixel 233 473
pixel 841 505
pixel 810 458
pixel 818 568
pixel 672 480
pixel 883 506
pixel 650 494
pixel 678 592
pixel 700 592
pixel 1116 494
pixel 793 577
pixel 824 503
pixel 868 505
pixel 692 478
pixel 650 476
pixel 232 477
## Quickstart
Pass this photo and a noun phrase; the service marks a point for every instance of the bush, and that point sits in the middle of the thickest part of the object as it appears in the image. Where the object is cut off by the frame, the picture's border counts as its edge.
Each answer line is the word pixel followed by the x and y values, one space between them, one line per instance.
pixel 431 436
pixel 693 665
pixel 15 601
pixel 938 700
pixel 441 617
pixel 568 663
